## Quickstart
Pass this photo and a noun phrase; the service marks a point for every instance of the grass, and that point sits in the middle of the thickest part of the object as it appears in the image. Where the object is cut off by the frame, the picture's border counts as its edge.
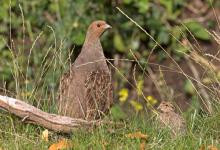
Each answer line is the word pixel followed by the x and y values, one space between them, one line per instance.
pixel 202 130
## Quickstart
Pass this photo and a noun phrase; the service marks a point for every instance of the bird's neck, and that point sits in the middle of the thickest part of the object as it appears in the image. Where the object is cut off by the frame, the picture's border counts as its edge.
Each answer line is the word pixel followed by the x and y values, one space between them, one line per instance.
pixel 91 53
pixel 93 48
pixel 91 41
pixel 92 36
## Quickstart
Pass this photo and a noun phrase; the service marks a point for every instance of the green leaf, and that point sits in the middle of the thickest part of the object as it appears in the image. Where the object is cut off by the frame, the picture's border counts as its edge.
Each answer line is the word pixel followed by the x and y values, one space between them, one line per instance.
pixel 2 43
pixel 168 4
pixel 173 8
pixel 78 38
pixel 177 33
pixel 127 1
pixel 143 6
pixel 134 44
pixel 188 87
pixel 181 50
pixel 118 43
pixel 163 37
pixel 198 30
pixel 161 56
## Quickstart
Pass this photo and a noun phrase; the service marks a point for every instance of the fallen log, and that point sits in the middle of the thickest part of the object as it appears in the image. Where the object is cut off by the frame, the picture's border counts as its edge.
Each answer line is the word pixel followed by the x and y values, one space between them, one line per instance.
pixel 34 115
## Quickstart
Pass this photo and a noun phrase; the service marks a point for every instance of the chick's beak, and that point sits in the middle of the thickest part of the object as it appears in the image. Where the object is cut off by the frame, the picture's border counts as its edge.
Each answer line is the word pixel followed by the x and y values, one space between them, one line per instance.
pixel 107 26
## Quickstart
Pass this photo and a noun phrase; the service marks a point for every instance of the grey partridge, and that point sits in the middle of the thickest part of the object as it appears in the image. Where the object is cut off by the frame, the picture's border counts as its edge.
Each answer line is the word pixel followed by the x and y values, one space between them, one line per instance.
pixel 86 89
pixel 169 118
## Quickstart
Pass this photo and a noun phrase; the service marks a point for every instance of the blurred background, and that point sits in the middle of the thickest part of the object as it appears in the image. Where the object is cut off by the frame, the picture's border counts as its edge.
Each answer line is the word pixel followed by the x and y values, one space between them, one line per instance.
pixel 177 60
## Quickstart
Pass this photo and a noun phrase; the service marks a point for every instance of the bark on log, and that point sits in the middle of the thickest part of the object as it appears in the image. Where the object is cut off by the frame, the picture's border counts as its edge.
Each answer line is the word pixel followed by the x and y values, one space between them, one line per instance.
pixel 34 115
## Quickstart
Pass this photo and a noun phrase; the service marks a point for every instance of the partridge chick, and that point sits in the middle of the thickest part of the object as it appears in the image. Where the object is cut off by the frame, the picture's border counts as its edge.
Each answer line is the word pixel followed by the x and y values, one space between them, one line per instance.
pixel 168 118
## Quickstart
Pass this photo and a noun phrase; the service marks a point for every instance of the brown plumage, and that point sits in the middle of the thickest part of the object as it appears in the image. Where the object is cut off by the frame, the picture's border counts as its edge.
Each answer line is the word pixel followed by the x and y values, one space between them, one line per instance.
pixel 86 90
pixel 170 119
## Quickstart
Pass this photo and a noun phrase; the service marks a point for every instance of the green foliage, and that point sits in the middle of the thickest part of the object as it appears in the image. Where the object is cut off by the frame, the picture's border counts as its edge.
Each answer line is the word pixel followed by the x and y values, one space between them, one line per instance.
pixel 198 30
pixel 189 88
pixel 172 7
pixel 64 23
pixel 118 43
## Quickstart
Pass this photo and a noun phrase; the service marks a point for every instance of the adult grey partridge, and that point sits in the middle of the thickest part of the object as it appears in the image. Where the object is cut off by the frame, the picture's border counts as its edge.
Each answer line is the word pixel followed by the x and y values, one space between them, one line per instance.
pixel 169 118
pixel 86 89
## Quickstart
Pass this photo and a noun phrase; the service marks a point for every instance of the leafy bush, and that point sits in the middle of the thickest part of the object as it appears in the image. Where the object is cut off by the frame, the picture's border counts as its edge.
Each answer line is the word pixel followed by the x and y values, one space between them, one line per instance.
pixel 31 32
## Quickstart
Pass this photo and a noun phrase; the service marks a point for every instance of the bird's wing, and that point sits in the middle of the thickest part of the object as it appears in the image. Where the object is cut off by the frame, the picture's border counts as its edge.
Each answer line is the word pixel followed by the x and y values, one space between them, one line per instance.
pixel 99 94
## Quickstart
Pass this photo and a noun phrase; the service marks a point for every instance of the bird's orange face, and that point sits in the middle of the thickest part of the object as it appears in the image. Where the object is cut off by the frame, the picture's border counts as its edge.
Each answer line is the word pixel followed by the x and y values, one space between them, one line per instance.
pixel 97 28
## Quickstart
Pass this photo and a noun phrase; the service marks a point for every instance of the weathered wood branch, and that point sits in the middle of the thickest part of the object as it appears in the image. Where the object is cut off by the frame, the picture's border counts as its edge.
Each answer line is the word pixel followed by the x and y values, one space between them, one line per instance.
pixel 34 115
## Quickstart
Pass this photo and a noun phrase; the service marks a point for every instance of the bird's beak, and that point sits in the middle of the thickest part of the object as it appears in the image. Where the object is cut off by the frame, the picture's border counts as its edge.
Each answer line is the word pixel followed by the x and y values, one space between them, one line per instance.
pixel 107 26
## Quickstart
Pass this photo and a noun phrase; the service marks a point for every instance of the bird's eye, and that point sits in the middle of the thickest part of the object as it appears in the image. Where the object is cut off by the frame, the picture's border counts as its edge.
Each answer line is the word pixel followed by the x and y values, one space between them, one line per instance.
pixel 98 25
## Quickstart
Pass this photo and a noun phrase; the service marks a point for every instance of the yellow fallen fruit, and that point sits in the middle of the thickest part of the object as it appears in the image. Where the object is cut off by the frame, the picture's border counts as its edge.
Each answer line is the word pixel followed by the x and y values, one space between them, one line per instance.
pixel 62 144
pixel 137 135
pixel 211 147
pixel 44 135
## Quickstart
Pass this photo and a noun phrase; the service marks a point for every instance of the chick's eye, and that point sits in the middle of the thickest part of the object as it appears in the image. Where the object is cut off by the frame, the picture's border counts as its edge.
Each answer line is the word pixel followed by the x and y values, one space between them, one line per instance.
pixel 98 25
